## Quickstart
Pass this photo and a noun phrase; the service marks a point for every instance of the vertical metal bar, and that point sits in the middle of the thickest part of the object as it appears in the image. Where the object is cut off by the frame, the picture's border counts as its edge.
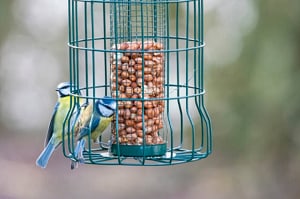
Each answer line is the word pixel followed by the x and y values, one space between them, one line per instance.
pixel 155 16
pixel 115 35
pixel 129 31
pixel 86 51
pixel 135 26
pixel 205 113
pixel 75 80
pixel 76 66
pixel 198 24
pixel 105 47
pixel 119 27
pixel 93 73
pixel 201 21
pixel 93 49
pixel 70 21
pixel 187 80
pixel 167 85
pixel 178 76
pixel 200 75
pixel 143 81
pixel 72 73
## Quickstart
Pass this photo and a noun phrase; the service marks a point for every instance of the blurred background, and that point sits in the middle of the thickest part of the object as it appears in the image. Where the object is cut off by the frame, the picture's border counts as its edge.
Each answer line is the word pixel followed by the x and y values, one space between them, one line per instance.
pixel 252 77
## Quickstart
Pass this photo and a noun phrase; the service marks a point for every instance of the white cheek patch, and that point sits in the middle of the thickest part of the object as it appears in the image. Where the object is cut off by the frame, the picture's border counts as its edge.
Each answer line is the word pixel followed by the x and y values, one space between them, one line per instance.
pixel 104 111
pixel 65 91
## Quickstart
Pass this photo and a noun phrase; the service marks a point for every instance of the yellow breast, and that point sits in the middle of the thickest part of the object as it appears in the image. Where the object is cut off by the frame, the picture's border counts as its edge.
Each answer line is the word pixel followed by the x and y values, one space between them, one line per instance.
pixel 105 121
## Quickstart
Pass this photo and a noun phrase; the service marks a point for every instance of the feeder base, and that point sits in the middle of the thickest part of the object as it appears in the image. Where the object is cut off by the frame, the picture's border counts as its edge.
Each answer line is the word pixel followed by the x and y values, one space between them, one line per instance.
pixel 139 150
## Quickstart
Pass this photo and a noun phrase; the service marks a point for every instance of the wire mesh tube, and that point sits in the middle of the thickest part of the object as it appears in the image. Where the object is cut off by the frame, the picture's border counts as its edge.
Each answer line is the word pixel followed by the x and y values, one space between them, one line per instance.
pixel 137 65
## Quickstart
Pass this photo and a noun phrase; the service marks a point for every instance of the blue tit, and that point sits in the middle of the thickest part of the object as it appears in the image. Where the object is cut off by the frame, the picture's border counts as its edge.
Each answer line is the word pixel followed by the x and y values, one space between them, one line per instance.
pixel 55 130
pixel 95 120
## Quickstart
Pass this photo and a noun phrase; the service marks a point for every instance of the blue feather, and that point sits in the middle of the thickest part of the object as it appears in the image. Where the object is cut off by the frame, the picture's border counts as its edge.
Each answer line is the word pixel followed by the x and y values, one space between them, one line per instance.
pixel 85 130
pixel 95 122
pixel 79 149
pixel 44 157
pixel 51 125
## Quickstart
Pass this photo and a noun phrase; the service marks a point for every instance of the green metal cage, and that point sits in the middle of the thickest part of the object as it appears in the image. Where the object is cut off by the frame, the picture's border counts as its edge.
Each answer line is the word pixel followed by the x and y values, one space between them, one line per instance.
pixel 148 55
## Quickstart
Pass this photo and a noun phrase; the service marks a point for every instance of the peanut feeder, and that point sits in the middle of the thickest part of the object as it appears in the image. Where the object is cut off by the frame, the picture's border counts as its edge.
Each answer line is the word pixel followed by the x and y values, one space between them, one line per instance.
pixel 137 80
pixel 149 56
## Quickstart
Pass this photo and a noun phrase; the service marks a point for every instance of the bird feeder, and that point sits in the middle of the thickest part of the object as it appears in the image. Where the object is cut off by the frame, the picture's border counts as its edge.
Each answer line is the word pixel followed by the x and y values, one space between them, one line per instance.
pixel 147 55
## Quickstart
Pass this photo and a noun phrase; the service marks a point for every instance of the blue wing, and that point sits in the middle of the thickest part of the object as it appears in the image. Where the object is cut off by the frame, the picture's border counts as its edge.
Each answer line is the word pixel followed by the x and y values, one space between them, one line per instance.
pixel 95 123
pixel 85 130
pixel 51 125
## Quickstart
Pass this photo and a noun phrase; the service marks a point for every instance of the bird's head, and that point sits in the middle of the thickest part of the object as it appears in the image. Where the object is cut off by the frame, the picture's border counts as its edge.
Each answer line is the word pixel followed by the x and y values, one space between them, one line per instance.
pixel 106 106
pixel 64 89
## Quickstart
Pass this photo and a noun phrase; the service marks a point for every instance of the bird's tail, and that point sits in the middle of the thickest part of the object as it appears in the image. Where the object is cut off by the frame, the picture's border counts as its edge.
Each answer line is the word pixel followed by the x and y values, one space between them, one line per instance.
pixel 44 157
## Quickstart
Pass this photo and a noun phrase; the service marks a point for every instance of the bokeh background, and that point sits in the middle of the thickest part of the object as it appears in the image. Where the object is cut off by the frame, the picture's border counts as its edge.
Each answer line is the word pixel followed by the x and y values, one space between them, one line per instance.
pixel 252 78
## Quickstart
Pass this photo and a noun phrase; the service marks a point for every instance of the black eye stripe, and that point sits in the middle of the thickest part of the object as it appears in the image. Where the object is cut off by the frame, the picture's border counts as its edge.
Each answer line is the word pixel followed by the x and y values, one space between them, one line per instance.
pixel 65 87
pixel 108 107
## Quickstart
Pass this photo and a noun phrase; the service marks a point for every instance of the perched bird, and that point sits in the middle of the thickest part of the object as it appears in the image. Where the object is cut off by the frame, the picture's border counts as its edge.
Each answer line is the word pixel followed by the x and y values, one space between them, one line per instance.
pixel 95 120
pixel 55 130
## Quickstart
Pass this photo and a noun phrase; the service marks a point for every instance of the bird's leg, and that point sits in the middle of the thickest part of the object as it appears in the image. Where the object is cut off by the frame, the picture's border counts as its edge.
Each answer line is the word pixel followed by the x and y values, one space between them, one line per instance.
pixel 105 145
